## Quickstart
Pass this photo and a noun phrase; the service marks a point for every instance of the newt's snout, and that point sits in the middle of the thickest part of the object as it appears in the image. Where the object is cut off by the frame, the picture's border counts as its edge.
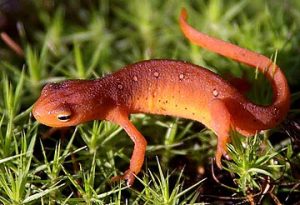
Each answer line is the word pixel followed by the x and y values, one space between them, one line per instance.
pixel 39 113
pixel 36 114
pixel 51 112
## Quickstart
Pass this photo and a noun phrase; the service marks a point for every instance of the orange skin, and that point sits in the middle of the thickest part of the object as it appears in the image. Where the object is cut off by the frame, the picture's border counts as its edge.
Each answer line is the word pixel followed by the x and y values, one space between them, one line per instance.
pixel 168 87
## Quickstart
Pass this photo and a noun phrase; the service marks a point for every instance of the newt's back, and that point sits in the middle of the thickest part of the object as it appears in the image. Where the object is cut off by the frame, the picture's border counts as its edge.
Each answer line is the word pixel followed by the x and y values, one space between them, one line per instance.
pixel 170 87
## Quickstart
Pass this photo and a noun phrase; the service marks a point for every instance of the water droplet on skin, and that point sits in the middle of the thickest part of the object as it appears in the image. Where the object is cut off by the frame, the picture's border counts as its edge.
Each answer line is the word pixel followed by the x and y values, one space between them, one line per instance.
pixel 215 93
pixel 135 78
pixel 120 86
pixel 275 111
pixel 156 74
pixel 181 76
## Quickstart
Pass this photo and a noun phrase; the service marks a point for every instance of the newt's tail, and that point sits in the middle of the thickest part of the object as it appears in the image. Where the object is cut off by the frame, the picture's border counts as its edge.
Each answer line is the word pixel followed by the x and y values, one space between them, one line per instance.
pixel 275 112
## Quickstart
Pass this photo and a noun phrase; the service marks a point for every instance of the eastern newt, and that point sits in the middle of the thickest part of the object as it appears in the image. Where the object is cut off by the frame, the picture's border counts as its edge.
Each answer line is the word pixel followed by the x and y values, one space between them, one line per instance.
pixel 168 87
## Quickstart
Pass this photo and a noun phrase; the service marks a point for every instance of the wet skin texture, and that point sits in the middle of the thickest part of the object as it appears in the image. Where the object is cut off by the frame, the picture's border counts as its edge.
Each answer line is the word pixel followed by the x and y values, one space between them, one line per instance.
pixel 168 87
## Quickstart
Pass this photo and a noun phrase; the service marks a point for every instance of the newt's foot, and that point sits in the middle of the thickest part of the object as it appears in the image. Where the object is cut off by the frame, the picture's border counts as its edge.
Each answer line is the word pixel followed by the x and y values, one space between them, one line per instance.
pixel 218 159
pixel 219 153
pixel 128 175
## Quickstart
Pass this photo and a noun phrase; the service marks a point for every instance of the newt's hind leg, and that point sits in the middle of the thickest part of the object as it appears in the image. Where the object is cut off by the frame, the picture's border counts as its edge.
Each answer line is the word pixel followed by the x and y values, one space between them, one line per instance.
pixel 221 125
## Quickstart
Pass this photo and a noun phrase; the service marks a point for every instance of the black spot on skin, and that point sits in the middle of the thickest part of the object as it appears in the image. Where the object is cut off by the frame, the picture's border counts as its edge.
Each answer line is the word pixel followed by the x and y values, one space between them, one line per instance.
pixel 164 109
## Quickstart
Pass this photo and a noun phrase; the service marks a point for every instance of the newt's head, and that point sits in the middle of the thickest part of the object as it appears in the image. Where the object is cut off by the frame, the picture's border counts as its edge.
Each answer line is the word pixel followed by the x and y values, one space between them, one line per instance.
pixel 65 104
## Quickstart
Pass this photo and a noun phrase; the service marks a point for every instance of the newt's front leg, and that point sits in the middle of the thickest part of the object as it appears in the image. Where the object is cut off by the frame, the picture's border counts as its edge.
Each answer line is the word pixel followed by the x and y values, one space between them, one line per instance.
pixel 140 144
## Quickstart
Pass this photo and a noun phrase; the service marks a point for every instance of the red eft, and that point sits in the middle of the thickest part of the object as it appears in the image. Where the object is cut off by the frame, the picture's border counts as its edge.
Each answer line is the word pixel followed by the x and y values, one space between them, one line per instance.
pixel 168 87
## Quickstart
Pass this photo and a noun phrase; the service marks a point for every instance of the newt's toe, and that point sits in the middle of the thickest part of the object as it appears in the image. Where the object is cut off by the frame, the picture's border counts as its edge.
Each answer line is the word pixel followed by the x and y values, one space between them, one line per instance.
pixel 218 157
pixel 128 175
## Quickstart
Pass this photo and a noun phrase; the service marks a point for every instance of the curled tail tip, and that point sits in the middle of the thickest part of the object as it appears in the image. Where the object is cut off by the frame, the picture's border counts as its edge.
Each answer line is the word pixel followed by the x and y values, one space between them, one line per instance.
pixel 183 14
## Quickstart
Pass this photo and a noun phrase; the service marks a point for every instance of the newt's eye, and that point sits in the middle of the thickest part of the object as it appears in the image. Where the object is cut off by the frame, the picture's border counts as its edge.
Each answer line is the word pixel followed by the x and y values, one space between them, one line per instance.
pixel 64 117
